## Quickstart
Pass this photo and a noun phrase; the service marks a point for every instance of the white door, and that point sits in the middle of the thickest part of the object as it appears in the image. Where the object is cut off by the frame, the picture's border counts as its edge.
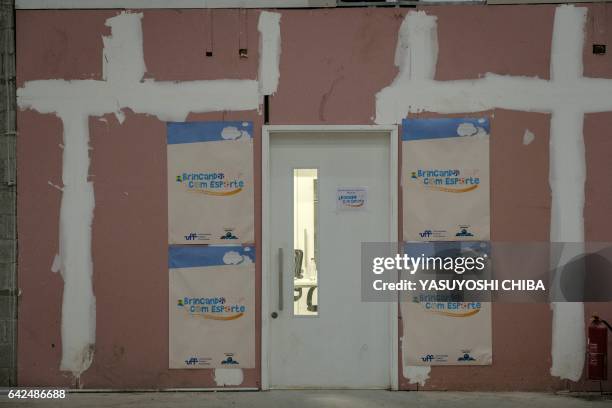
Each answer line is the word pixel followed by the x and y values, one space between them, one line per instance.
pixel 321 335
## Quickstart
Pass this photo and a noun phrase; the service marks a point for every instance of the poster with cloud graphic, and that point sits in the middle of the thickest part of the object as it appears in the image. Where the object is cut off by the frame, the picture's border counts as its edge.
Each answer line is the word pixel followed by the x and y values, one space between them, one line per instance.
pixel 445 179
pixel 211 307
pixel 441 332
pixel 210 183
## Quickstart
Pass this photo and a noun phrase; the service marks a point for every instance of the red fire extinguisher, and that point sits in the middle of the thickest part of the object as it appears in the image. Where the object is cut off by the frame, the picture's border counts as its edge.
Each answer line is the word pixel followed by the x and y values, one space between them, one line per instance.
pixel 597 349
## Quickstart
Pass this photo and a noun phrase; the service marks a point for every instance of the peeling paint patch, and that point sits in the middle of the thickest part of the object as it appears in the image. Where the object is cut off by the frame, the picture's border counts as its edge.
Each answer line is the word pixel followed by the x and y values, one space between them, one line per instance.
pixel 528 137
pixel 56 265
pixel 228 376
pixel 416 374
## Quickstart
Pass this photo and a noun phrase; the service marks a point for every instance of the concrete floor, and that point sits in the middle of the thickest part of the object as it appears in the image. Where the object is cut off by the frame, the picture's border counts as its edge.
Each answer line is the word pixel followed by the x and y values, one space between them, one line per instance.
pixel 312 399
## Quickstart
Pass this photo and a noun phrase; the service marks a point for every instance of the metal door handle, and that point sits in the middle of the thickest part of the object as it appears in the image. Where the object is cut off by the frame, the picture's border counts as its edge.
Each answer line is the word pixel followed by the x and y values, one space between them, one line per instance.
pixel 280 279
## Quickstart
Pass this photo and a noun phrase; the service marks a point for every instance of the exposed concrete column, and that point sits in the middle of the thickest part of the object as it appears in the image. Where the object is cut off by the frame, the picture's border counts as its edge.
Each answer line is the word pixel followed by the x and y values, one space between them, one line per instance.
pixel 8 170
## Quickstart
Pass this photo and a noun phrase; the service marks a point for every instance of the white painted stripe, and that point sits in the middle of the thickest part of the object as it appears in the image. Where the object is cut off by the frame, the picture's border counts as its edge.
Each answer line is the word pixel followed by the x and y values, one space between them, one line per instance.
pixel 567 176
pixel 78 327
pixel 269 52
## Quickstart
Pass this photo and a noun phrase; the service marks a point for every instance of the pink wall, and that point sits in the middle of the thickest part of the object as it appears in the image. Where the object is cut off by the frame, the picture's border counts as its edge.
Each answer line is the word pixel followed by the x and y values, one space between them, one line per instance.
pixel 333 62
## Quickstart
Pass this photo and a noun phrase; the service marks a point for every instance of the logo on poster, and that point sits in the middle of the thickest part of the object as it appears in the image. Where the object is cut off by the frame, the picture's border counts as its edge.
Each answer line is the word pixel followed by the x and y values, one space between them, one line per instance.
pixel 446 180
pixel 452 309
pixel 466 356
pixel 427 358
pixel 438 358
pixel 464 232
pixel 229 359
pixel 197 236
pixel 229 234
pixel 211 183
pixel 351 200
pixel 194 361
pixel 428 233
pixel 214 308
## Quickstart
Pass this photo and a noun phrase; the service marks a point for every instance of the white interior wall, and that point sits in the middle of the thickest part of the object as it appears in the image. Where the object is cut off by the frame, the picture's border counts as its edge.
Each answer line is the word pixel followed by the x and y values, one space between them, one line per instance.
pixel 303 217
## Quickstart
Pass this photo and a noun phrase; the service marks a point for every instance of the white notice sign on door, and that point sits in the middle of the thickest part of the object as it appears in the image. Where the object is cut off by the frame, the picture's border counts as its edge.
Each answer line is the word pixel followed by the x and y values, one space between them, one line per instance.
pixel 351 198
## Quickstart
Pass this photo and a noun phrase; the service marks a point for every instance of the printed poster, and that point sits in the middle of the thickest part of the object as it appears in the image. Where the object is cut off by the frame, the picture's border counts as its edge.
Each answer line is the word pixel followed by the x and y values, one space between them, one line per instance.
pixel 210 183
pixel 445 333
pixel 445 179
pixel 350 199
pixel 212 307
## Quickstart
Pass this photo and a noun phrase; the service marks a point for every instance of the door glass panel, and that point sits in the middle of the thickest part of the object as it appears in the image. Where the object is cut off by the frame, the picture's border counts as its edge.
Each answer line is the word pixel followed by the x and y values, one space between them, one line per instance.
pixel 305 247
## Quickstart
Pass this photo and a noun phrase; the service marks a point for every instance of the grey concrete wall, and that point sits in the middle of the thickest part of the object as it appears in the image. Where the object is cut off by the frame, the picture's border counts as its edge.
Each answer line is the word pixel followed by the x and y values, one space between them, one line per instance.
pixel 8 235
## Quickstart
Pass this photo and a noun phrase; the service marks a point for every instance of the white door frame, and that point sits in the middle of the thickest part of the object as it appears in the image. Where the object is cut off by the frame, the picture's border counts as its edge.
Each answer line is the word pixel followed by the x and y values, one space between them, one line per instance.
pixel 265 233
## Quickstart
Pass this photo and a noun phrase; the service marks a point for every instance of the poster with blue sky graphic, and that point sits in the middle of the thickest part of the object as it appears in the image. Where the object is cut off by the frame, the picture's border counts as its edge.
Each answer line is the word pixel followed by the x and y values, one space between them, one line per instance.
pixel 210 182
pixel 445 179
pixel 211 307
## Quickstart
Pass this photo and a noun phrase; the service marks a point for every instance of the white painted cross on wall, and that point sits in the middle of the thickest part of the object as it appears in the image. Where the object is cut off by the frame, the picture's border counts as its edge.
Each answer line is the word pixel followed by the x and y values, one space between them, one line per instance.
pixel 74 102
pixel 567 96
